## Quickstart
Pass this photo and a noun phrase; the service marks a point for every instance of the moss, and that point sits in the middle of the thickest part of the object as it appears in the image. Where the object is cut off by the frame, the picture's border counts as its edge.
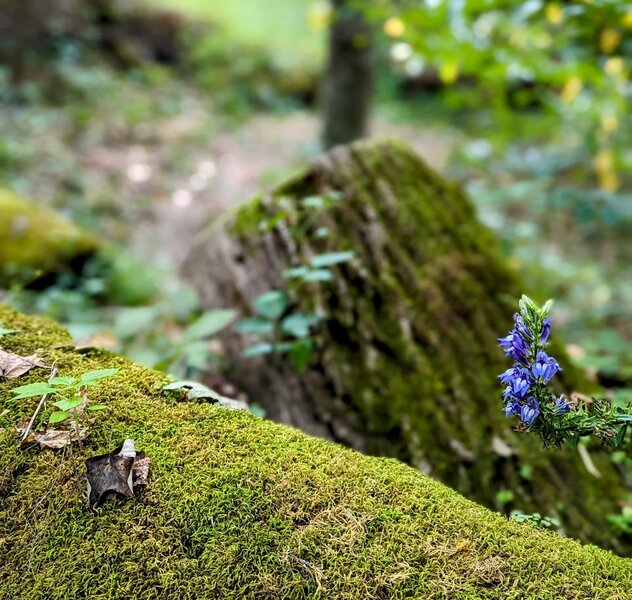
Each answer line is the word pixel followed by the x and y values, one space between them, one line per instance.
pixel 406 364
pixel 34 239
pixel 238 507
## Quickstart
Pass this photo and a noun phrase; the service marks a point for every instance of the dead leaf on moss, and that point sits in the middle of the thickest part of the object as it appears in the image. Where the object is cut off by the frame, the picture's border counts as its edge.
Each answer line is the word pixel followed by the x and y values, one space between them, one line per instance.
pixel 140 469
pixel 114 476
pixel 55 439
pixel 13 365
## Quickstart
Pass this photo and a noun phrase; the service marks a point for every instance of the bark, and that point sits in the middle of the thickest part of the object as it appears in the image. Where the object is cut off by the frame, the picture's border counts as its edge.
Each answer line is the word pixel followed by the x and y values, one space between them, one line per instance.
pixel 406 362
pixel 348 83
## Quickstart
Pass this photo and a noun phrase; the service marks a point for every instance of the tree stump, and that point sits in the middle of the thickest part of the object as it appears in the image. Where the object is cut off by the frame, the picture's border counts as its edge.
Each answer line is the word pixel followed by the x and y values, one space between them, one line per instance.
pixel 406 362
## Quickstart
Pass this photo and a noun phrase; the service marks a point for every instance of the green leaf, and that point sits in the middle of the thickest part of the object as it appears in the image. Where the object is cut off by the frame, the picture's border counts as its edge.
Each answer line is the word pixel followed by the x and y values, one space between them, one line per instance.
pixel 68 404
pixel 331 258
pixel 298 324
pixel 301 353
pixel 210 323
pixel 313 202
pixel 318 275
pixel 271 305
pixel 322 232
pixel 58 416
pixel 295 272
pixel 92 376
pixel 4 331
pixel 66 380
pixel 32 389
pixel 255 325
pixel 96 407
pixel 131 322
pixel 257 350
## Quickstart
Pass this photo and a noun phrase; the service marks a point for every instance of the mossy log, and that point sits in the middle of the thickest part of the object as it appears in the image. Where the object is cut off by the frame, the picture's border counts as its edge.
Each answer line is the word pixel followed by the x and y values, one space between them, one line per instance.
pixel 406 362
pixel 35 241
pixel 238 507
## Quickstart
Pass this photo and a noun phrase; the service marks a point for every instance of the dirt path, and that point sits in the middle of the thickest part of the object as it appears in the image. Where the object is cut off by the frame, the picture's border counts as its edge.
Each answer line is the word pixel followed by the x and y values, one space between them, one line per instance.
pixel 237 164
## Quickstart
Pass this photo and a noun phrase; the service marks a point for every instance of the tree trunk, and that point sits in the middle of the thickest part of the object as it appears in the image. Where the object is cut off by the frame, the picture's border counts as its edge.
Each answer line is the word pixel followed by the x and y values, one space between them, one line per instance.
pixel 239 508
pixel 348 83
pixel 406 363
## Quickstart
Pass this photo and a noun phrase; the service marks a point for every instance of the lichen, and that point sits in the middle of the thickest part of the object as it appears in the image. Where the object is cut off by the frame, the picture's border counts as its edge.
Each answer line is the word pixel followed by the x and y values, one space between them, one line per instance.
pixel 35 240
pixel 238 507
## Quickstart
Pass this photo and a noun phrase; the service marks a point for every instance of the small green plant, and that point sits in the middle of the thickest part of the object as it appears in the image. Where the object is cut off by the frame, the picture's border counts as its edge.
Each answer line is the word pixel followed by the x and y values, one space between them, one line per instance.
pixel 280 332
pixel 282 329
pixel 68 395
pixel 152 335
pixel 535 519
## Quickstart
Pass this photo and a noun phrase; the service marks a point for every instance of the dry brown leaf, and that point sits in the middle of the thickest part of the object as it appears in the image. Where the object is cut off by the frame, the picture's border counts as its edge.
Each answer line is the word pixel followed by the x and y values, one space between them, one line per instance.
pixel 55 439
pixel 140 468
pixel 12 365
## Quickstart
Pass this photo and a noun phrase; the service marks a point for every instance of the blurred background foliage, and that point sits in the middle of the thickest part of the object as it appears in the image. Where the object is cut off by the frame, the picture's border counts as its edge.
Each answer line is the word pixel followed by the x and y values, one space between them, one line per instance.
pixel 140 120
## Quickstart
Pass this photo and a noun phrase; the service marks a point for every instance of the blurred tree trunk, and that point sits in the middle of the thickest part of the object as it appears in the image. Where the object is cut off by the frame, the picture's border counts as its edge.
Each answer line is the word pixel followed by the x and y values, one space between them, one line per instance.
pixel 348 83
pixel 405 363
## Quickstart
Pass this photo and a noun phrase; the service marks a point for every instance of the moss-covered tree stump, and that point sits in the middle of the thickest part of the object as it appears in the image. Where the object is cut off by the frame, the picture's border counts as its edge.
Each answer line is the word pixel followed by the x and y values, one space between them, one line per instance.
pixel 238 507
pixel 406 362
pixel 35 241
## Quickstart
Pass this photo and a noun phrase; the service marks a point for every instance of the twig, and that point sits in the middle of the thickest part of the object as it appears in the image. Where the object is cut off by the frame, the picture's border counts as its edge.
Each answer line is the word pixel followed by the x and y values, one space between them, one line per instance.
pixel 53 373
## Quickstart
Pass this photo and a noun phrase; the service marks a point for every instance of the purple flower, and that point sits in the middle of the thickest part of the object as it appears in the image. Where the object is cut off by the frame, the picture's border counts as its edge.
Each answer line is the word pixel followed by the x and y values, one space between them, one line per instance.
pixel 532 365
pixel 562 405
pixel 544 367
pixel 521 328
pixel 545 331
pixel 520 386
pixel 512 408
pixel 506 343
pixel 529 412
pixel 519 349
pixel 506 376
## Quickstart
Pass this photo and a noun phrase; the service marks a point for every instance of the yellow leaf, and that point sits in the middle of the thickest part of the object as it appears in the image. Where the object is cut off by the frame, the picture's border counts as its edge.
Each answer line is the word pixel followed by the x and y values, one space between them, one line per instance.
pixel 609 40
pixel 554 13
pixel 571 89
pixel 463 545
pixel 394 27
pixel 603 162
pixel 609 123
pixel 614 66
pixel 319 16
pixel 609 182
pixel 626 20
pixel 449 71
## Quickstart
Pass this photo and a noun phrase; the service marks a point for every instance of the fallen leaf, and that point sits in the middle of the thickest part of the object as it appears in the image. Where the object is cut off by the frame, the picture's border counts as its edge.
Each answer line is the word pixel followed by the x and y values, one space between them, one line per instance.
pixel 140 469
pixel 113 476
pixel 196 391
pixel 12 365
pixel 55 439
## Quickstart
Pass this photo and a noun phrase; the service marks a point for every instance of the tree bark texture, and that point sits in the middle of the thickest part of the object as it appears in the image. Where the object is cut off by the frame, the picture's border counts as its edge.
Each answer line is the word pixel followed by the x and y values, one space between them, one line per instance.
pixel 406 361
pixel 348 83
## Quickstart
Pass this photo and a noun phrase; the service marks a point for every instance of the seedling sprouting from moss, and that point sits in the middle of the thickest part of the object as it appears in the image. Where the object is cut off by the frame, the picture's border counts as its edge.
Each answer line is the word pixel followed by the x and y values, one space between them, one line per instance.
pixel 280 328
pixel 528 394
pixel 68 395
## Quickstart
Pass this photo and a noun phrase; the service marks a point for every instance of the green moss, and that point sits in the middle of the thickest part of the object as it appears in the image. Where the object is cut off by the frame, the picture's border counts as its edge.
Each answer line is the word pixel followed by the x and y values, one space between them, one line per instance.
pixel 34 239
pixel 238 507
pixel 406 364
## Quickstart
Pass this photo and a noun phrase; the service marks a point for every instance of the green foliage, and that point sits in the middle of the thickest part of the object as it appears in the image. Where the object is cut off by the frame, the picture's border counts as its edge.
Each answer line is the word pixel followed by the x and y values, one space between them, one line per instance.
pixel 68 394
pixel 276 319
pixel 535 519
